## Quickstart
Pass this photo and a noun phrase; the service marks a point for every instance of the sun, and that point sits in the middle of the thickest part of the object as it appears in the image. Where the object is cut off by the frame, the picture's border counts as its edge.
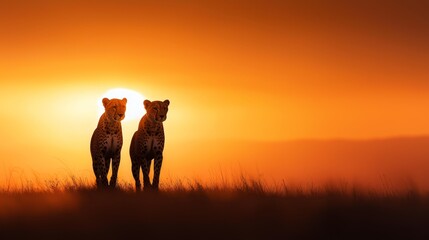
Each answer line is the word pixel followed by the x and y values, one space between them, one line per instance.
pixel 135 109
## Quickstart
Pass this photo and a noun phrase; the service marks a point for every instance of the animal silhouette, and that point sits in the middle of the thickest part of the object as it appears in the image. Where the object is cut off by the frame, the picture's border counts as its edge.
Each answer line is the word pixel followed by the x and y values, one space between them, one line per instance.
pixel 148 143
pixel 106 141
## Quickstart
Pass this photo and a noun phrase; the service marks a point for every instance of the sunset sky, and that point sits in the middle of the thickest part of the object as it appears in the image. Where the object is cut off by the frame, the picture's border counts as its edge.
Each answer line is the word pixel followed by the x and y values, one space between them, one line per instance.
pixel 235 72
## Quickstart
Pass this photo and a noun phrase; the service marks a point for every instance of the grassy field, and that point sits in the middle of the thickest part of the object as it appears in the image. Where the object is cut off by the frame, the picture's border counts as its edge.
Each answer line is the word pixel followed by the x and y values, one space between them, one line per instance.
pixel 246 209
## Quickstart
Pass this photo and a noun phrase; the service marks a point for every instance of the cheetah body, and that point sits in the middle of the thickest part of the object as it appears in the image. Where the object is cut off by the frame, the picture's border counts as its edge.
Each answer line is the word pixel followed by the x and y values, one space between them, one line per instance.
pixel 106 141
pixel 147 144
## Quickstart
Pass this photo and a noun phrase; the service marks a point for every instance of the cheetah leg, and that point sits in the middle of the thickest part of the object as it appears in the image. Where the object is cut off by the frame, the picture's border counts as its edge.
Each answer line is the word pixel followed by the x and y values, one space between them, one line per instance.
pixel 106 166
pixel 135 168
pixel 100 172
pixel 97 171
pixel 104 170
pixel 115 166
pixel 157 171
pixel 146 170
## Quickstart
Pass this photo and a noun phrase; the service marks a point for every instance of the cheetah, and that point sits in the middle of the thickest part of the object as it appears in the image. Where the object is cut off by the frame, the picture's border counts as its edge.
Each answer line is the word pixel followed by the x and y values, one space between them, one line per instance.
pixel 106 141
pixel 148 143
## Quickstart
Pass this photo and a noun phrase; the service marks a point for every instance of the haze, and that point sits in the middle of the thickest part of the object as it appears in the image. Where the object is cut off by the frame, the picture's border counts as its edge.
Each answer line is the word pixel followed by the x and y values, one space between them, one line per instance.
pixel 259 72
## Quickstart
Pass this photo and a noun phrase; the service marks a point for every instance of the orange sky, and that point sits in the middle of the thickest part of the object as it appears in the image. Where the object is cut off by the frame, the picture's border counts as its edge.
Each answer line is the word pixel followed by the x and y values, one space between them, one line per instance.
pixel 233 71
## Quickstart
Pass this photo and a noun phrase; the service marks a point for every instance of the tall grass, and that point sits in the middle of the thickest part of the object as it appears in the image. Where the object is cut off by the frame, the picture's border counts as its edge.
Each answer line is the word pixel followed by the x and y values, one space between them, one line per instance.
pixel 242 208
pixel 241 185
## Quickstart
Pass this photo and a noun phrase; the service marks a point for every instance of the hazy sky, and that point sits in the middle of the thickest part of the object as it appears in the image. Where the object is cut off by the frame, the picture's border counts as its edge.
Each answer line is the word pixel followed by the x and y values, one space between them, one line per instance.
pixel 233 70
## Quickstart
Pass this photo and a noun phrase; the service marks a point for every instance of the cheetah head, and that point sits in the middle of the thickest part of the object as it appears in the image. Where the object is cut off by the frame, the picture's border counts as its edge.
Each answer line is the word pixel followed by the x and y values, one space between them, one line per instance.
pixel 115 108
pixel 156 110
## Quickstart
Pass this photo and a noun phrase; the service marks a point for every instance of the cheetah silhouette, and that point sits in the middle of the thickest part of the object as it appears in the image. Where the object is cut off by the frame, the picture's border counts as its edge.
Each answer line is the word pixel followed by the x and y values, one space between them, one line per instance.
pixel 148 143
pixel 106 142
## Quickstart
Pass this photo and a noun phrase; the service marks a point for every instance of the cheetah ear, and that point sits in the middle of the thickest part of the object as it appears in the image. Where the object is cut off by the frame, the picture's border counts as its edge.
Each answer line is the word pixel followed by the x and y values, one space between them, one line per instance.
pixel 105 101
pixel 146 103
pixel 124 100
pixel 167 102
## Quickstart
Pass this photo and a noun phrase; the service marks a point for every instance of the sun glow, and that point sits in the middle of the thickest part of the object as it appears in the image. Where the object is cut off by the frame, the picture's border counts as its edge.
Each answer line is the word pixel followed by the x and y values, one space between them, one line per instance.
pixel 135 109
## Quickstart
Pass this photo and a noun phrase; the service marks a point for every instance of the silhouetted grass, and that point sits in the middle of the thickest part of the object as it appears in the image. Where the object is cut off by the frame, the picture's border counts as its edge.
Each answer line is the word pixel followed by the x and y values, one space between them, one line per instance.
pixel 247 208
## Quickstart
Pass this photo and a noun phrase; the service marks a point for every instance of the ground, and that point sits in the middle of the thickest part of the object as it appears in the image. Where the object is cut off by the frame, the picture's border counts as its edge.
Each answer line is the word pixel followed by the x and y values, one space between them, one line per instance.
pixel 200 213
